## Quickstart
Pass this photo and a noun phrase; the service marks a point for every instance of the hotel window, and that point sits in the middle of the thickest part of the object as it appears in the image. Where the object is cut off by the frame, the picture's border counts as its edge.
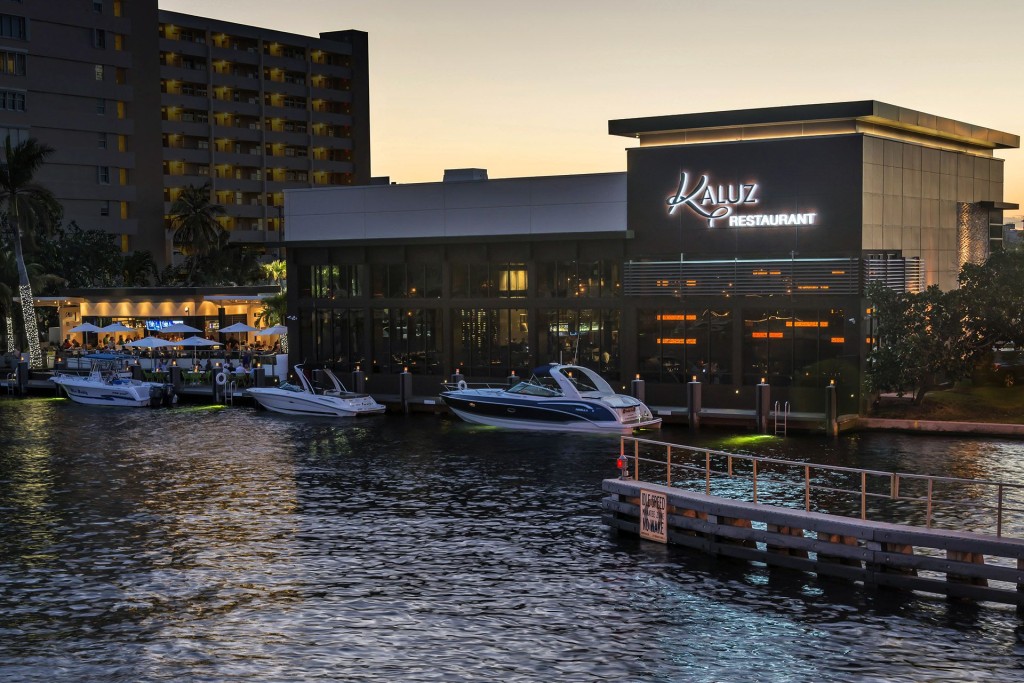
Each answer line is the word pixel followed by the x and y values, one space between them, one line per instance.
pixel 99 38
pixel 17 135
pixel 105 208
pixel 12 100
pixel 101 140
pixel 13 27
pixel 97 6
pixel 406 338
pixel 12 63
pixel 491 342
pixel 103 175
pixel 101 106
pixel 98 70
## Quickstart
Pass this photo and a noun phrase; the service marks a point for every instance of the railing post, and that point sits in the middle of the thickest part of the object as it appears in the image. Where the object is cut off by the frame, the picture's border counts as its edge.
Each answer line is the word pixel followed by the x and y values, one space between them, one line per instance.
pixel 999 510
pixel 707 472
pixel 928 515
pixel 863 495
pixel 894 486
pixel 636 460
pixel 755 481
pixel 807 488
pixel 730 465
pixel 668 465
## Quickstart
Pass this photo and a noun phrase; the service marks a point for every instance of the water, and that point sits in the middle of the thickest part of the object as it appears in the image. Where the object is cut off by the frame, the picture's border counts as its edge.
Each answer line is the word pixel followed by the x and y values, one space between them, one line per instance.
pixel 205 544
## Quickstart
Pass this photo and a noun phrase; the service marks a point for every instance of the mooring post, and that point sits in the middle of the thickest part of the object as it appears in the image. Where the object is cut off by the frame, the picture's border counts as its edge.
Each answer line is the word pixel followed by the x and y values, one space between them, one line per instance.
pixel 176 377
pixel 359 381
pixel 405 389
pixel 637 389
pixel 831 410
pixel 512 380
pixel 22 376
pixel 762 405
pixel 693 401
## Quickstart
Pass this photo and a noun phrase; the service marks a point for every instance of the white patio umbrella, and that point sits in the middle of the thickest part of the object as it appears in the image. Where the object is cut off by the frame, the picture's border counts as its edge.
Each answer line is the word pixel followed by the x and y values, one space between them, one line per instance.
pixel 238 327
pixel 150 343
pixel 275 329
pixel 83 328
pixel 195 343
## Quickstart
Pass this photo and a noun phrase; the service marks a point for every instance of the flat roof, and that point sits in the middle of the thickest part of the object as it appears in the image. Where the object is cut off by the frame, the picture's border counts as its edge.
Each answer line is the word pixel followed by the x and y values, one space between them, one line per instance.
pixel 872 111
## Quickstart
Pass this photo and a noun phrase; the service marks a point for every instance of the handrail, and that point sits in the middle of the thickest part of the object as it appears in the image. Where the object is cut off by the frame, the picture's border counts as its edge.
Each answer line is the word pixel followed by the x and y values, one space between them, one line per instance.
pixel 759 474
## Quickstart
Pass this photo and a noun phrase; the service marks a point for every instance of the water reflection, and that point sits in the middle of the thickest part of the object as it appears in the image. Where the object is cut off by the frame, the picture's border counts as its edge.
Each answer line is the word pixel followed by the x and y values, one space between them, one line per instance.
pixel 195 544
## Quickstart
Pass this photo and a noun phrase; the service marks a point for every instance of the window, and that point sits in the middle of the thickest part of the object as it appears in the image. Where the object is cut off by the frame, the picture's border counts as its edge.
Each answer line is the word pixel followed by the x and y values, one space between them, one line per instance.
pixel 105 208
pixel 17 135
pixel 13 27
pixel 97 6
pixel 101 106
pixel 12 63
pixel 101 140
pixel 12 100
pixel 103 175
pixel 99 38
pixel 99 72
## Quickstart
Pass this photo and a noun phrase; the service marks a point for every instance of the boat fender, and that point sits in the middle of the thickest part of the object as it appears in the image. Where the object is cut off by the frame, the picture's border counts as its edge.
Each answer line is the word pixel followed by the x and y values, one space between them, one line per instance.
pixel 461 384
pixel 222 379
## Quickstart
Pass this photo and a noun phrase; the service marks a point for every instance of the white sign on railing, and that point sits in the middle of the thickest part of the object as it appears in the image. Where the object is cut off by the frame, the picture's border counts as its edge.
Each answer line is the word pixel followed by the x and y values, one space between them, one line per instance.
pixel 653 516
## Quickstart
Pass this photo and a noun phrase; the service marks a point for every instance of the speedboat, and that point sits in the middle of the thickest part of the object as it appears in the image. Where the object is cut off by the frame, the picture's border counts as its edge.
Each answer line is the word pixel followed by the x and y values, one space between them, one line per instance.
pixel 105 386
pixel 307 399
pixel 562 398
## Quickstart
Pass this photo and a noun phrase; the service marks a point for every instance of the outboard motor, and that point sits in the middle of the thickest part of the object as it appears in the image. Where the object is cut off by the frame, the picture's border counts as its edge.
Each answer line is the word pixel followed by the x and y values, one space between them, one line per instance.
pixel 168 395
pixel 156 396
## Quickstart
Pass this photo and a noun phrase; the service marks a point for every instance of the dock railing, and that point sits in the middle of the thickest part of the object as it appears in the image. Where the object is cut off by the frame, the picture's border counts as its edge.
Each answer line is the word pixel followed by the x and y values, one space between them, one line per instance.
pixel 903 498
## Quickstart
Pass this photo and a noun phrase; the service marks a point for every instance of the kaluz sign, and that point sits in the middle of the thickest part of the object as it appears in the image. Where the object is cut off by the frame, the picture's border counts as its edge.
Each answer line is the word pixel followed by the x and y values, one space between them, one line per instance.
pixel 716 202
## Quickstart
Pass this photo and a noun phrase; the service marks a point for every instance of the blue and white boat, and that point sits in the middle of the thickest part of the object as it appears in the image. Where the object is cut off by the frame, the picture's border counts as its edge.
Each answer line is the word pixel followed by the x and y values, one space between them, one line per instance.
pixel 561 398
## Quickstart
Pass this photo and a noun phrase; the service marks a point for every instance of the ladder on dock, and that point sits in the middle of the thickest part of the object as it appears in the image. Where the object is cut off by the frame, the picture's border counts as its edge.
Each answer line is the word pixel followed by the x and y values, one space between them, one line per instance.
pixel 780 429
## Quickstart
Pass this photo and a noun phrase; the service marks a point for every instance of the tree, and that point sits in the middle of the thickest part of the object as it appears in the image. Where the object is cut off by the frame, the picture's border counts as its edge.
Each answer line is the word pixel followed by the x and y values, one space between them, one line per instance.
pixel 194 221
pixel 994 295
pixel 274 310
pixel 138 269
pixel 29 207
pixel 921 340
pixel 276 271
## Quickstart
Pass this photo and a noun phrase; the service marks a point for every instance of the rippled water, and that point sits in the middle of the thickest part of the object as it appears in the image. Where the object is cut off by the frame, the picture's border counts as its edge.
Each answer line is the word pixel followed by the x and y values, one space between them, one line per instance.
pixel 206 544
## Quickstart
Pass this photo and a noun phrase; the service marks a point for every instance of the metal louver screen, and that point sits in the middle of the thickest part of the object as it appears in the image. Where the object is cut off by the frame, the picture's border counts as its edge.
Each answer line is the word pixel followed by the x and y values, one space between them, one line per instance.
pixel 742 277
pixel 900 274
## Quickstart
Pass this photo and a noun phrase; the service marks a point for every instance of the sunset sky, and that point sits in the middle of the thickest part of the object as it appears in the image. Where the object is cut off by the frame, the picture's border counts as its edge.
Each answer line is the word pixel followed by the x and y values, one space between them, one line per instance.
pixel 527 88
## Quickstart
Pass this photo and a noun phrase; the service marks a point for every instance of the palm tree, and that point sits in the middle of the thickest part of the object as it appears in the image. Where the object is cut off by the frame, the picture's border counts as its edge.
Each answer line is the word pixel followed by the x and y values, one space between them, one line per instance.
pixel 138 269
pixel 194 221
pixel 29 207
pixel 275 271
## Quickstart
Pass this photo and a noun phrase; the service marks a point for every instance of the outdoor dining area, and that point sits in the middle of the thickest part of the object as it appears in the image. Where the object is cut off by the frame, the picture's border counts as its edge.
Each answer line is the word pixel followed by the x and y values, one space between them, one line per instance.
pixel 178 345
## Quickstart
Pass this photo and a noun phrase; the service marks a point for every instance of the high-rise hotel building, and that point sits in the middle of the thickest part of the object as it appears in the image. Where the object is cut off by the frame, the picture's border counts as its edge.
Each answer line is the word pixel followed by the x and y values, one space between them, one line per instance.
pixel 139 103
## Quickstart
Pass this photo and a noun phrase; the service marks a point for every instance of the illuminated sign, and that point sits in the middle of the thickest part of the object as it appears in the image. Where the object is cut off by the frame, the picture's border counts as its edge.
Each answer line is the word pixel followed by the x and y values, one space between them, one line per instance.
pixel 719 202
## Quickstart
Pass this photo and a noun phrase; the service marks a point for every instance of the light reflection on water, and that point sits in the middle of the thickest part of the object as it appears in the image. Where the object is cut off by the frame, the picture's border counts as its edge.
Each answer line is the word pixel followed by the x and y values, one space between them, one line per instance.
pixel 198 544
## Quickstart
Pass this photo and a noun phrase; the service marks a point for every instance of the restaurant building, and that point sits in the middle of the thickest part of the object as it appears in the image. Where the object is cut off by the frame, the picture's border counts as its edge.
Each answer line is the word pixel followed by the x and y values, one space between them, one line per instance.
pixel 735 249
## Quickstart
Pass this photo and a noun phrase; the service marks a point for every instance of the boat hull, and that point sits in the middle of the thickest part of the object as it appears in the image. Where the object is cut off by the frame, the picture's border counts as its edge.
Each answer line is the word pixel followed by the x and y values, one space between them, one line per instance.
pixel 121 393
pixel 313 405
pixel 496 409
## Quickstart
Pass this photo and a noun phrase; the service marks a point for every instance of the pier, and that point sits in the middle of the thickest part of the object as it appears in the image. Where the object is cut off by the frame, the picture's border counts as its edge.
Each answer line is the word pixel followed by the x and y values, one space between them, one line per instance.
pixel 938 535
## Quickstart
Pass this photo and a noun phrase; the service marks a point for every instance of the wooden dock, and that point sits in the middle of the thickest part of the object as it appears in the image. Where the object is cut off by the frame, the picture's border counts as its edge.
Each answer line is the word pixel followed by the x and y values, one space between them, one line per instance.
pixel 666 495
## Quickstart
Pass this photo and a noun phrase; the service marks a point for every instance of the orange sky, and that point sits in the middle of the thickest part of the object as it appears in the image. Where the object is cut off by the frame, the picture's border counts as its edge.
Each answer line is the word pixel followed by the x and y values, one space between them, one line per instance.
pixel 527 87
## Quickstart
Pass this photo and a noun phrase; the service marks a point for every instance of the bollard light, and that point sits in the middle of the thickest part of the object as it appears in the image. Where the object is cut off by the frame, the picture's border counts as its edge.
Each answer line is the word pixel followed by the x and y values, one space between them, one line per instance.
pixel 694 378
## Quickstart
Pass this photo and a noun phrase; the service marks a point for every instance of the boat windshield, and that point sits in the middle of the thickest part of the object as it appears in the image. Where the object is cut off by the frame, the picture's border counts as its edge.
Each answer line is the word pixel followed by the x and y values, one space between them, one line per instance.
pixel 536 387
pixel 585 381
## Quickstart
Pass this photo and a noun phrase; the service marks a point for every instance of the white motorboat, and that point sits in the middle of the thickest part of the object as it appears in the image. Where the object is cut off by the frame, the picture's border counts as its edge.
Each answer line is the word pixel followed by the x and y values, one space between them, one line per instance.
pixel 105 386
pixel 562 398
pixel 331 401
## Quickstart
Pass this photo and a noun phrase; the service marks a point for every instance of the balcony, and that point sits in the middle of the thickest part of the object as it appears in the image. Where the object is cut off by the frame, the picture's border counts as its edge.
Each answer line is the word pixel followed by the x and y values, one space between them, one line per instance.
pixel 332 118
pixel 200 130
pixel 240 133
pixel 237 184
pixel 188 155
pixel 242 107
pixel 236 55
pixel 244 210
pixel 288 138
pixel 332 166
